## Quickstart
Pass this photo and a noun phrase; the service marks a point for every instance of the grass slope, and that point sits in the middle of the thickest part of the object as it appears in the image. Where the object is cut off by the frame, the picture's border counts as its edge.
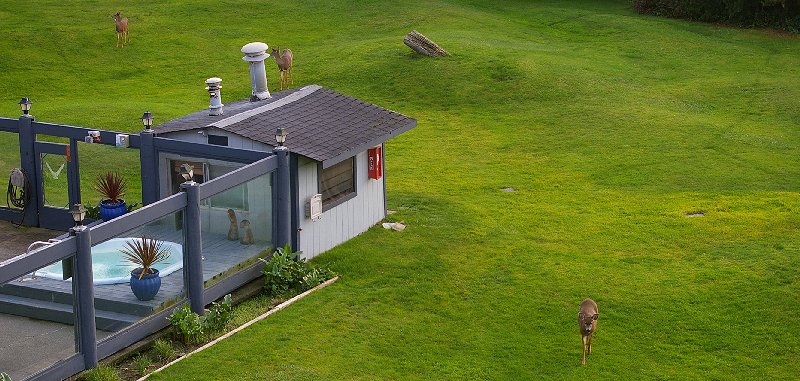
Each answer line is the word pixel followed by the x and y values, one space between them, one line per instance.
pixel 610 126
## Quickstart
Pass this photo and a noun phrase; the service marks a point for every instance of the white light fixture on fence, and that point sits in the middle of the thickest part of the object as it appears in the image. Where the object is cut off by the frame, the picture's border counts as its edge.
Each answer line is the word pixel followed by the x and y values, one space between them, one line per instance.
pixel 25 105
pixel 280 136
pixel 187 171
pixel 147 120
pixel 78 212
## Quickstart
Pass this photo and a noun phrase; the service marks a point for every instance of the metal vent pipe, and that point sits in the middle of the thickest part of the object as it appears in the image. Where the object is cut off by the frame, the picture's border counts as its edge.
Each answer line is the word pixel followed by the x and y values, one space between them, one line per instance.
pixel 255 54
pixel 214 86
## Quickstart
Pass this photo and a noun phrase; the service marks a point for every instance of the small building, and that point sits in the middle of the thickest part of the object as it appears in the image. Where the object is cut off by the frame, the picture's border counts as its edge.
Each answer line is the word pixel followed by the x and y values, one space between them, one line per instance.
pixel 335 144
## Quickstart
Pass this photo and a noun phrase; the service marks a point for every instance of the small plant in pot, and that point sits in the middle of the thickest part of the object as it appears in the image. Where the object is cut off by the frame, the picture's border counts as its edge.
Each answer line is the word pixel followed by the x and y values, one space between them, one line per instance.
pixel 112 187
pixel 144 252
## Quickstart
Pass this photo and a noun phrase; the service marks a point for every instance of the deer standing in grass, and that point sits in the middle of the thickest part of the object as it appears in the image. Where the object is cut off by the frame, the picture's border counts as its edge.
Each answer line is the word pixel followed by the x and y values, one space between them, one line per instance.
pixel 587 320
pixel 284 62
pixel 122 28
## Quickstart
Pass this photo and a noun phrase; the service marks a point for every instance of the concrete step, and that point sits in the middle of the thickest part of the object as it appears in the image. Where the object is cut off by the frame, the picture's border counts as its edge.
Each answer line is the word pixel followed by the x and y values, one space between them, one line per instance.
pixel 61 313
pixel 50 294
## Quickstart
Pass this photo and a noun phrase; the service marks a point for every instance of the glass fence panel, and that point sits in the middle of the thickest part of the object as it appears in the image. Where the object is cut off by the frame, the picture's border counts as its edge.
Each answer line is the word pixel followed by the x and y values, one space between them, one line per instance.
pixel 37 323
pixel 98 159
pixel 54 176
pixel 236 228
pixel 118 303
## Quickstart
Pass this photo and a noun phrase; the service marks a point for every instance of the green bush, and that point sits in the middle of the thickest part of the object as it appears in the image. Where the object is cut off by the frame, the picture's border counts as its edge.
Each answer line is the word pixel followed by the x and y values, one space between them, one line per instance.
pixel 784 14
pixel 192 328
pixel 5 377
pixel 285 273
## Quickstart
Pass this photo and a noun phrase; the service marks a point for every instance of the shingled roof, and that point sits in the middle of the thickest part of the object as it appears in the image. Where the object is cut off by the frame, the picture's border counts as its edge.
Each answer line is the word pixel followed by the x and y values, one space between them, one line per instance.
pixel 321 124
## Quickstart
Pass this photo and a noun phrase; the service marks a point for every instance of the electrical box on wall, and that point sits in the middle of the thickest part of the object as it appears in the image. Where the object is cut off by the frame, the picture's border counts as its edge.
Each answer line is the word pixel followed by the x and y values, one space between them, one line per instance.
pixel 123 140
pixel 375 162
pixel 314 207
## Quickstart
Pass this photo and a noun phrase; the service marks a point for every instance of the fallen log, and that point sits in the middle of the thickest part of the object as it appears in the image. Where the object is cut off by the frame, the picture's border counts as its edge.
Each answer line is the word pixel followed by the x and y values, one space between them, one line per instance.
pixel 422 45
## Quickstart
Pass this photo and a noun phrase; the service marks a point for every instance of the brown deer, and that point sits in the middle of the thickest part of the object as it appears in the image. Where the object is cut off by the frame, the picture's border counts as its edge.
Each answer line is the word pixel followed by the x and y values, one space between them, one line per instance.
pixel 284 62
pixel 587 320
pixel 122 28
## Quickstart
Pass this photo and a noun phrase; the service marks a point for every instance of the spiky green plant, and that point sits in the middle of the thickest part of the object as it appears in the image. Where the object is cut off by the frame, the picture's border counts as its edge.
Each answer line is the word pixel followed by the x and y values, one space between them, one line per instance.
pixel 111 186
pixel 144 252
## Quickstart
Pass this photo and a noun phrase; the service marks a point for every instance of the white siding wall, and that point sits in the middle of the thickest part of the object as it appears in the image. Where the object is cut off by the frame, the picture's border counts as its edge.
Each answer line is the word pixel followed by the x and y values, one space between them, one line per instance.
pixel 346 220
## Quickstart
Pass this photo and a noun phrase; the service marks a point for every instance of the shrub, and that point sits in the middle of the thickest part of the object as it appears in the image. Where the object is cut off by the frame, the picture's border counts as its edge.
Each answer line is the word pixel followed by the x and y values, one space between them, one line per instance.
pixel 5 377
pixel 163 350
pixel 284 273
pixel 219 315
pixel 783 14
pixel 187 325
pixel 192 328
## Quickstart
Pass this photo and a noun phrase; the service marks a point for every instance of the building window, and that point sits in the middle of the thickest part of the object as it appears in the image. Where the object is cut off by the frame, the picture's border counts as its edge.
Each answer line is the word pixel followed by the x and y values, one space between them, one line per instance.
pixel 337 183
pixel 218 140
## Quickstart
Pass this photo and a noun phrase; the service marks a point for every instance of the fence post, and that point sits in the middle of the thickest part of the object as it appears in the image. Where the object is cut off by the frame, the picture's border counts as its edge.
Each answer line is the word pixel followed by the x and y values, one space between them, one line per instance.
pixel 193 247
pixel 284 194
pixel 148 159
pixel 27 157
pixel 83 289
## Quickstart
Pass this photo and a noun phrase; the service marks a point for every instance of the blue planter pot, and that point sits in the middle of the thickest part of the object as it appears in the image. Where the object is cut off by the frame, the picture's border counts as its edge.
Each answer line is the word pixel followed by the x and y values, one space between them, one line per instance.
pixel 110 211
pixel 147 287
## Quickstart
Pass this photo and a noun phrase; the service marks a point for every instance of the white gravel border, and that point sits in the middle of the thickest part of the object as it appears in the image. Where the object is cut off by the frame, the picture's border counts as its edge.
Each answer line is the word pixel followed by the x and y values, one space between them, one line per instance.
pixel 245 325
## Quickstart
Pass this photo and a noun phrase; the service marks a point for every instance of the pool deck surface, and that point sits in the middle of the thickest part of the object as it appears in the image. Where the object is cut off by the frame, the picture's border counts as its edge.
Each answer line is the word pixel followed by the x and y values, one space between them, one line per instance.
pixel 30 345
pixel 16 239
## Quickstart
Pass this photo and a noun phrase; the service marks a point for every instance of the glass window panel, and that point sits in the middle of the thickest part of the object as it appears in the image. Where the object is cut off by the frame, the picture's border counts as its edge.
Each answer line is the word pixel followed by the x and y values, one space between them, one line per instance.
pixel 234 237
pixel 9 154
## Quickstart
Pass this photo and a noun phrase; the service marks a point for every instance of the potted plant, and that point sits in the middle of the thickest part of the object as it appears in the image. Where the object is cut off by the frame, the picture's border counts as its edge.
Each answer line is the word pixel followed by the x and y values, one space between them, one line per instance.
pixel 112 187
pixel 144 252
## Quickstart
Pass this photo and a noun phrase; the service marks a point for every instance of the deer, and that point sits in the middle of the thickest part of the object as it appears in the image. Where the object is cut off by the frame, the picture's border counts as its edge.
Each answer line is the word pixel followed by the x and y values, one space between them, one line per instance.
pixel 587 320
pixel 284 62
pixel 122 28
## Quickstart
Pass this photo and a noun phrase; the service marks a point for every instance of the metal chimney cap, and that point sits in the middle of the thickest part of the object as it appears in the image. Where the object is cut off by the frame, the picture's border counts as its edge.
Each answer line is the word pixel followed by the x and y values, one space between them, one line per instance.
pixel 255 51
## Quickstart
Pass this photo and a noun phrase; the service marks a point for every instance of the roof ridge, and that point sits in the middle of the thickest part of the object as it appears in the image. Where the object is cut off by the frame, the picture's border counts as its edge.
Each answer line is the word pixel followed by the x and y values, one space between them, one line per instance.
pixel 299 94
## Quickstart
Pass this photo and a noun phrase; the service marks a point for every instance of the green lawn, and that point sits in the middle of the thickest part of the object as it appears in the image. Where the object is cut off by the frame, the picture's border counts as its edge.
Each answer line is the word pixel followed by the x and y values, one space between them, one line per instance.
pixel 610 126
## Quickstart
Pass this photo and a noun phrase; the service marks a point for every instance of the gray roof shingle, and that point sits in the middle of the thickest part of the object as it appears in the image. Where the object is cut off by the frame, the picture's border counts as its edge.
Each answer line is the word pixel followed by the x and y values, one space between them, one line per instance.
pixel 321 124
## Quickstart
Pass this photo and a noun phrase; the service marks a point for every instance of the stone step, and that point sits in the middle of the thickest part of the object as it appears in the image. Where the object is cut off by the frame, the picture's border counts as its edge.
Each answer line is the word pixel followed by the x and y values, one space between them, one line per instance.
pixel 48 294
pixel 61 313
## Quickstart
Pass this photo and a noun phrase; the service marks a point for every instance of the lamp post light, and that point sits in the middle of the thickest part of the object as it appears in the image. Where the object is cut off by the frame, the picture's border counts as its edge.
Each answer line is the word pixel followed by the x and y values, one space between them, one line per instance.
pixel 147 121
pixel 25 105
pixel 78 212
pixel 280 136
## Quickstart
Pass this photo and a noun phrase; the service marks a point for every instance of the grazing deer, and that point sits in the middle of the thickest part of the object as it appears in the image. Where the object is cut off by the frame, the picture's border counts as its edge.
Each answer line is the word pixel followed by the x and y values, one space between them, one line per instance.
pixel 587 320
pixel 284 62
pixel 122 28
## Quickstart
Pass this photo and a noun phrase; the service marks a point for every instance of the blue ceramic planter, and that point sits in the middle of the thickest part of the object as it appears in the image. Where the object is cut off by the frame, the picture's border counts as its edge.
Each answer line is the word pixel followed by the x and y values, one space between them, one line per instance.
pixel 147 287
pixel 110 211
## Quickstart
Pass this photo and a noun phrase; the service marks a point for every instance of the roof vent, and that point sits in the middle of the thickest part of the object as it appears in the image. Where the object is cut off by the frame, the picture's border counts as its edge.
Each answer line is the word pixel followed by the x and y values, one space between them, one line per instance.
pixel 255 54
pixel 214 86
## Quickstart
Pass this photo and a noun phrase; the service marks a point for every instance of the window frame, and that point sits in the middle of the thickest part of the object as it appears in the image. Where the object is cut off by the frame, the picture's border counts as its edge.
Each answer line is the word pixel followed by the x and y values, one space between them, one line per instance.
pixel 347 197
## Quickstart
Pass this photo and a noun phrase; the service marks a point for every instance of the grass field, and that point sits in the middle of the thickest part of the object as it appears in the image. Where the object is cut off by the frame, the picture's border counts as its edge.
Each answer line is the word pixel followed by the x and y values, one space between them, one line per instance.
pixel 610 126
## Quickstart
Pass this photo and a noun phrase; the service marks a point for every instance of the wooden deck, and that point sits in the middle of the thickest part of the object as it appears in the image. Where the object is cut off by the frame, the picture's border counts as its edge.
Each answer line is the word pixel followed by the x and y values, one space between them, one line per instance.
pixel 221 258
